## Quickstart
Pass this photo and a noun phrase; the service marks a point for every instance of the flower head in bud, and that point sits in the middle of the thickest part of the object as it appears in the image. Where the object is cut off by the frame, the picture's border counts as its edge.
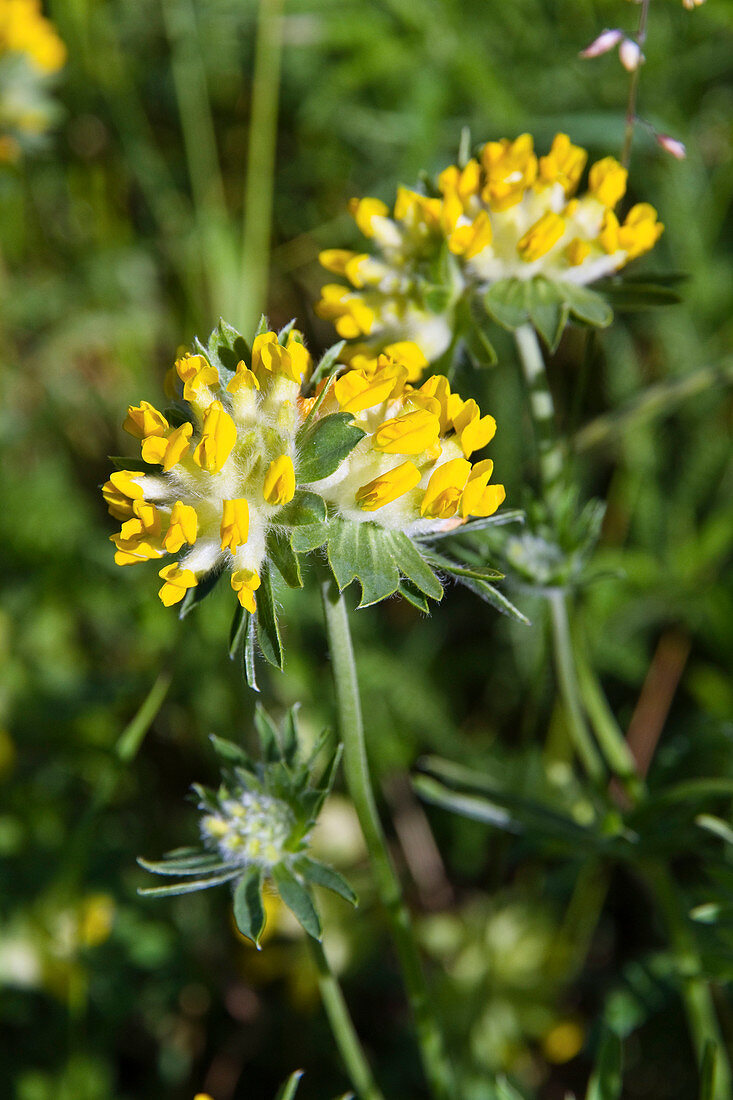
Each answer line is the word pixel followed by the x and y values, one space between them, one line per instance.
pixel 507 214
pixel 256 826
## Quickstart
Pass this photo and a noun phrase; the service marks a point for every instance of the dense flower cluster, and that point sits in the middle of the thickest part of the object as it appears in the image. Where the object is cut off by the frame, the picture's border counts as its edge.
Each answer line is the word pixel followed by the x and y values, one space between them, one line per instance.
pixel 248 827
pixel 31 52
pixel 225 464
pixel 507 214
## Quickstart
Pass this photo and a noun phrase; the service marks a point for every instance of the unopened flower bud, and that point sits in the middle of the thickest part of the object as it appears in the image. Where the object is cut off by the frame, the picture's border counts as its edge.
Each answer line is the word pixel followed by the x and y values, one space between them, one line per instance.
pixel 605 41
pixel 672 146
pixel 630 55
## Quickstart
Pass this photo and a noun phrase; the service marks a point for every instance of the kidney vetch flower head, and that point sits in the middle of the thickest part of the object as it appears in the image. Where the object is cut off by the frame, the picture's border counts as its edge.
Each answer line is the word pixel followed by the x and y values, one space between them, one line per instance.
pixel 31 53
pixel 255 828
pixel 505 216
pixel 244 471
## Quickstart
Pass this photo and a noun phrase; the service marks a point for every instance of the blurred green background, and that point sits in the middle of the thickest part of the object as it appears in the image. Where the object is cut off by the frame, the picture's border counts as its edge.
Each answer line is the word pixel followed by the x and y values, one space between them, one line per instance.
pixel 120 241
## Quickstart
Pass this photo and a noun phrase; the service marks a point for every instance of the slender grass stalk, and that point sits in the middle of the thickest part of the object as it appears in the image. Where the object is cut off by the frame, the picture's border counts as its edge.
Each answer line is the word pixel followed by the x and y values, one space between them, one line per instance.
pixel 356 768
pixel 634 87
pixel 343 1028
pixel 542 408
pixel 569 689
pixel 260 177
pixel 199 138
pixel 695 990
pixel 658 400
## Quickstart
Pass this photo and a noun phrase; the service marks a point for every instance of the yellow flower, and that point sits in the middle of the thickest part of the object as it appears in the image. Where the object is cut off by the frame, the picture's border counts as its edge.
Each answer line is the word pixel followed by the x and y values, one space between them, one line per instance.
pixel 220 484
pixel 506 214
pixel 24 29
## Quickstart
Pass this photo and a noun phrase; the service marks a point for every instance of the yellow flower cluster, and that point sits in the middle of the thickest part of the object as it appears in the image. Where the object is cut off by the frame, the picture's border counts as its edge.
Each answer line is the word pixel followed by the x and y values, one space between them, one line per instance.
pixel 433 431
pixel 228 465
pixel 24 29
pixel 507 213
pixel 226 472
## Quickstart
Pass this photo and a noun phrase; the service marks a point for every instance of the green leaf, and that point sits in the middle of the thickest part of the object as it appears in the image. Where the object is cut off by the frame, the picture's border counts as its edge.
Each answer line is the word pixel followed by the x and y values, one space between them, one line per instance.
pixel 319 875
pixel 414 597
pixel 586 305
pixel 707 1071
pixel 280 551
pixel 495 598
pixel 202 864
pixel 268 734
pixel 187 887
pixel 309 537
pixel 304 509
pixel 228 346
pixel 249 909
pixel 477 572
pixel 360 551
pixel 716 826
pixel 324 444
pixel 298 900
pixel 606 1080
pixel 376 557
pixel 194 596
pixel 229 752
pixel 548 310
pixel 248 653
pixel 263 325
pixel 437 299
pixel 238 630
pixel 289 1089
pixel 268 632
pixel 414 566
pixel 506 302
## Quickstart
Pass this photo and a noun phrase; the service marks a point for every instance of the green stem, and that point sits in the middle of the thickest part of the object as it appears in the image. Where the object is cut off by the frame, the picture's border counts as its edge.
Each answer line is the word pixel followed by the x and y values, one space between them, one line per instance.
pixel 608 733
pixel 260 178
pixel 569 689
pixel 356 769
pixel 696 992
pixel 343 1028
pixel 634 87
pixel 542 407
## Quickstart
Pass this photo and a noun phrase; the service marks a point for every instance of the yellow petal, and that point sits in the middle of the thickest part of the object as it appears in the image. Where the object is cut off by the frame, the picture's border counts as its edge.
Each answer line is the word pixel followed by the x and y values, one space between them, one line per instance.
pixel 279 485
pixel 444 489
pixel 388 487
pixel 217 440
pixel 245 583
pixel 409 434
pixel 144 419
pixel 234 527
pixel 182 527
pixel 607 181
pixel 176 583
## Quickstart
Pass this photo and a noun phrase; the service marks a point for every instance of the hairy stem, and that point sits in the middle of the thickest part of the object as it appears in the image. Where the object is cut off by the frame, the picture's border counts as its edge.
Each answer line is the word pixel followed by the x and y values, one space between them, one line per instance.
pixel 259 182
pixel 343 1028
pixel 356 769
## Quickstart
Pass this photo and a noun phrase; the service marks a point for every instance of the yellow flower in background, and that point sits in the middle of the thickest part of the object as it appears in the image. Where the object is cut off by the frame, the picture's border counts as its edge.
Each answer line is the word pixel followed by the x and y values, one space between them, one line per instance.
pixel 31 54
pixel 215 491
pixel 25 30
pixel 505 214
